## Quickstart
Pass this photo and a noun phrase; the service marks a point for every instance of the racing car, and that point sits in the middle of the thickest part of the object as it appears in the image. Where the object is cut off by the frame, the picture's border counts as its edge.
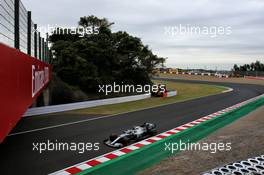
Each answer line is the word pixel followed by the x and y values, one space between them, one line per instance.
pixel 162 91
pixel 130 136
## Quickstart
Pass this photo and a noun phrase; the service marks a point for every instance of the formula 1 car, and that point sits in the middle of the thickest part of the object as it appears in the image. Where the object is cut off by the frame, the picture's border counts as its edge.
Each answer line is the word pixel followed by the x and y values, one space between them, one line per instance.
pixel 162 92
pixel 133 135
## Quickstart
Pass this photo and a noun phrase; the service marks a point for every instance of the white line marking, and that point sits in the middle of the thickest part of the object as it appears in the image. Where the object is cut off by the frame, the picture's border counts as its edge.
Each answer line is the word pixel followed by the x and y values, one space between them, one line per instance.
pixel 97 118
pixel 167 135
pixel 228 89
pixel 63 173
pixel 144 142
pixel 118 153
pixel 84 166
pixel 174 130
pixel 155 138
pixel 132 147
pixel 189 124
pixel 102 159
pixel 56 126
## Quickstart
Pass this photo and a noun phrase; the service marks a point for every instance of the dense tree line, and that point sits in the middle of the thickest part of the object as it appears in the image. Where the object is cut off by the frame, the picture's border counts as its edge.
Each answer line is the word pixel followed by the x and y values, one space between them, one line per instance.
pixel 101 57
pixel 257 66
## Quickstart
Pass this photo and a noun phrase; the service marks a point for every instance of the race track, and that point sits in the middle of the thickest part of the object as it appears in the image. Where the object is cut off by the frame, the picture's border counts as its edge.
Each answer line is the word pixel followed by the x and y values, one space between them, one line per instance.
pixel 16 152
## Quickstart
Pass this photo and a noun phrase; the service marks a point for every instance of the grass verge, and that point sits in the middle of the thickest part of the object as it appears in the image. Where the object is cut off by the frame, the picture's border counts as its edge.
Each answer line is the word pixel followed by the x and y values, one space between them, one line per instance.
pixel 186 91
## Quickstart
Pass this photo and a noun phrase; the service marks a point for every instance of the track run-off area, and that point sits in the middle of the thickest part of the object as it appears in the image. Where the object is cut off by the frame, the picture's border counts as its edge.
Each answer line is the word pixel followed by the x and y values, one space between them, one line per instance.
pixel 18 157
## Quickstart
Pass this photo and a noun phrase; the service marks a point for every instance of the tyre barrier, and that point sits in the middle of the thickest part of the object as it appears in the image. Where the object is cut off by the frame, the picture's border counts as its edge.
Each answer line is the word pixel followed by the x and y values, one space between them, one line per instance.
pixel 251 166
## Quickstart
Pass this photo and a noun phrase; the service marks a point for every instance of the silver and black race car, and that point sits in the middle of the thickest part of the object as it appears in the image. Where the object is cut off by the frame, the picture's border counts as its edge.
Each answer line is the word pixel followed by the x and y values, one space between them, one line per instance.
pixel 130 136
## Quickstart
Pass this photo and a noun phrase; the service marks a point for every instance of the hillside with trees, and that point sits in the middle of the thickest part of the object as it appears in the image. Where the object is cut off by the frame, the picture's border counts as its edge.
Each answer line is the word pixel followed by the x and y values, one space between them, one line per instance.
pixel 257 66
pixel 253 69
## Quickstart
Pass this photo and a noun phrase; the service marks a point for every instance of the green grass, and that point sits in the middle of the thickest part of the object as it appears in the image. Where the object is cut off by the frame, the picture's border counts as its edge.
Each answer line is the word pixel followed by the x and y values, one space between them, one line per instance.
pixel 186 91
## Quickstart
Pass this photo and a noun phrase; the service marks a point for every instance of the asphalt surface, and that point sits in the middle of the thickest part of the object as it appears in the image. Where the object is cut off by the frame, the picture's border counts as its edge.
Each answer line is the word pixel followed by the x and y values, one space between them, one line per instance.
pixel 18 157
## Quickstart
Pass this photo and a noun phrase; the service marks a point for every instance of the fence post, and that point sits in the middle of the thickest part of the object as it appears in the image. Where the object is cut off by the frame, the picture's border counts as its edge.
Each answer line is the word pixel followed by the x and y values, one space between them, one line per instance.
pixel 35 41
pixel 17 44
pixel 39 46
pixel 42 49
pixel 29 28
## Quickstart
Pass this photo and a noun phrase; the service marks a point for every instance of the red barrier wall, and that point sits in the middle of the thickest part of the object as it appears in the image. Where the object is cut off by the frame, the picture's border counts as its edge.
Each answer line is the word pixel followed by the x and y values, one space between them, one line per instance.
pixel 22 78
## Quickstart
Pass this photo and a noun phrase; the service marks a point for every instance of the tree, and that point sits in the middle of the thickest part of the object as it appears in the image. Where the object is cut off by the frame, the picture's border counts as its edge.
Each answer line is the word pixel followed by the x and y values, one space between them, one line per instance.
pixel 102 58
pixel 236 68
pixel 254 68
pixel 94 21
pixel 258 66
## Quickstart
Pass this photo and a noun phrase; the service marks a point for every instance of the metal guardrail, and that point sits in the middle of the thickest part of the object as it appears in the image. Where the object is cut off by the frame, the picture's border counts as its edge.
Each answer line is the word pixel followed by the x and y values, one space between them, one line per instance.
pixel 82 105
